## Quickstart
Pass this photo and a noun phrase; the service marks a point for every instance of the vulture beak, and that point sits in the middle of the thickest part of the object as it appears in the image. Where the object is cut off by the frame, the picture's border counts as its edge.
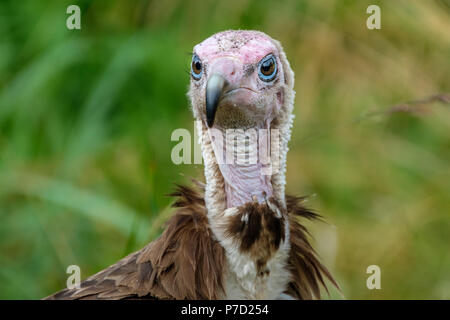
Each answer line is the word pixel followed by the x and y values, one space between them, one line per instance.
pixel 214 89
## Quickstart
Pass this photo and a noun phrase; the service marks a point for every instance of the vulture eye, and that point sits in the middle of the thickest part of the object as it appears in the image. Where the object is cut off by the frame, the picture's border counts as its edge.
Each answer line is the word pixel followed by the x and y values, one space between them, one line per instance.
pixel 196 68
pixel 267 69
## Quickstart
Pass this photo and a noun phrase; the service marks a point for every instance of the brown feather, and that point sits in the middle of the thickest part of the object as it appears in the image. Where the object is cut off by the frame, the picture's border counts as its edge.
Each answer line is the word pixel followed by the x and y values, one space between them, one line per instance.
pixel 307 271
pixel 187 262
pixel 260 234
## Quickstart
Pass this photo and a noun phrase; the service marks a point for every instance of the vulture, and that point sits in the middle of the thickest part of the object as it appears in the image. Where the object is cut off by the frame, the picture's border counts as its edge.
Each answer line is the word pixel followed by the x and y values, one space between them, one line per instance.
pixel 238 235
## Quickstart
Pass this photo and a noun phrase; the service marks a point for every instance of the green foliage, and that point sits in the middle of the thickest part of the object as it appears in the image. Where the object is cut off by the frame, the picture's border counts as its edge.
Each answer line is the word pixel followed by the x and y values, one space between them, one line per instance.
pixel 86 117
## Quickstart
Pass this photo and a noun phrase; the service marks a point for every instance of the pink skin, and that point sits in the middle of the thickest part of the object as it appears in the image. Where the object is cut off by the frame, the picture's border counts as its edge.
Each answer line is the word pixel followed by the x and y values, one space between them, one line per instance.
pixel 255 48
pixel 235 56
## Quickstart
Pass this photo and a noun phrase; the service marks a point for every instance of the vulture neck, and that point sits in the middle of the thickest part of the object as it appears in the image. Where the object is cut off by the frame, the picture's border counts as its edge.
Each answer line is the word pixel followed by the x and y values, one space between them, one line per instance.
pixel 233 184
pixel 244 160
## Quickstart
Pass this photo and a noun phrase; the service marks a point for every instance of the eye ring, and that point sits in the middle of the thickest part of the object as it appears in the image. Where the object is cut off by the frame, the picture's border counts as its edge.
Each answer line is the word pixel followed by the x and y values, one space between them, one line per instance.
pixel 196 67
pixel 267 68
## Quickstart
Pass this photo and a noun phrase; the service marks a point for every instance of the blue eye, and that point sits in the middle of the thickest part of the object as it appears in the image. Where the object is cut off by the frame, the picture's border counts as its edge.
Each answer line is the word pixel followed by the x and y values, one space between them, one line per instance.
pixel 196 68
pixel 267 68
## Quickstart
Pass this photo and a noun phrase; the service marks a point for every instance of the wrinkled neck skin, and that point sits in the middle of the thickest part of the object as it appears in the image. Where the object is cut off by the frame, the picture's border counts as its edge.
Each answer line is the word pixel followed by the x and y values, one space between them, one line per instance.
pixel 245 183
pixel 230 185
pixel 245 165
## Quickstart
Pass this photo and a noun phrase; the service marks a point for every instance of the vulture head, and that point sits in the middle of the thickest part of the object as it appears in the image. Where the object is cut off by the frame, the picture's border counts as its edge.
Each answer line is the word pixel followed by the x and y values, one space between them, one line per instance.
pixel 239 79
pixel 242 84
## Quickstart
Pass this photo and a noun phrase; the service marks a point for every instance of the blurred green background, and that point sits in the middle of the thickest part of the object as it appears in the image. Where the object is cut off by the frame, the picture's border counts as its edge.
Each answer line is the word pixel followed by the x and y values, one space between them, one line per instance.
pixel 86 118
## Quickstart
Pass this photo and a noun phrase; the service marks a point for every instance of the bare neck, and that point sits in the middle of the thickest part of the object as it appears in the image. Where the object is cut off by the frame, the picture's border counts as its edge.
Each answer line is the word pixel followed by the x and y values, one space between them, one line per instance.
pixel 245 183
pixel 232 184
pixel 243 159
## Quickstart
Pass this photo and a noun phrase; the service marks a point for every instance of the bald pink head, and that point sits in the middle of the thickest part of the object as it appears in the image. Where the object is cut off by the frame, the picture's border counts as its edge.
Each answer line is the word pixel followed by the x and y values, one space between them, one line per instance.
pixel 248 46
pixel 238 80
pixel 242 80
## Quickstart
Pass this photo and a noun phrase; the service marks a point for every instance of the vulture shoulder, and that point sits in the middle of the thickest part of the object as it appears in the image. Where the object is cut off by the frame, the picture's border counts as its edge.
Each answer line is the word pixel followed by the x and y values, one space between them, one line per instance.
pixel 187 262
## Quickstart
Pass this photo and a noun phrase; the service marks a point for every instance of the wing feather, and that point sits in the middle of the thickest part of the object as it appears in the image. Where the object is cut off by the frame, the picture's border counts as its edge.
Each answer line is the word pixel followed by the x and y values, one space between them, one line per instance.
pixel 185 262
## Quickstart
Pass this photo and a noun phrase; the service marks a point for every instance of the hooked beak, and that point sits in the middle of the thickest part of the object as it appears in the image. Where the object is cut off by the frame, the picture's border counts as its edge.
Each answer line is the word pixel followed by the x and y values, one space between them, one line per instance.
pixel 214 90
